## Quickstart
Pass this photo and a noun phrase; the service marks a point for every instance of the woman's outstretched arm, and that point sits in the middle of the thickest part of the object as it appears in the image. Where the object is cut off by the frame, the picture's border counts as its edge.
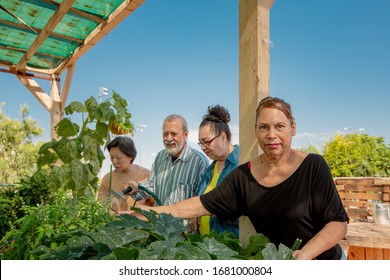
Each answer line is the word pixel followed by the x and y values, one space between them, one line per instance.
pixel 186 209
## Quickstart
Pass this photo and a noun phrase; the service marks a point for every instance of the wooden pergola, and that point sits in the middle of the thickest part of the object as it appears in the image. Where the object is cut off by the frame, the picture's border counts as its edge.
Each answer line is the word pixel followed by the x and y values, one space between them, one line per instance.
pixel 35 50
pixel 254 60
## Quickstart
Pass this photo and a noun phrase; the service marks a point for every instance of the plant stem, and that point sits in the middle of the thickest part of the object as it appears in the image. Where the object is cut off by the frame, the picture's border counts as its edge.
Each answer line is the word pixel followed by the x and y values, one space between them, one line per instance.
pixel 295 246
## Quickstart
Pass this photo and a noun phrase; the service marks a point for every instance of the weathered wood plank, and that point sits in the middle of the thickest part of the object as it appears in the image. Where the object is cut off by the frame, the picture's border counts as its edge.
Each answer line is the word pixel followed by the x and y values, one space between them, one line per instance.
pixel 374 253
pixel 368 235
pixel 355 181
pixel 362 196
pixel 386 254
pixel 356 253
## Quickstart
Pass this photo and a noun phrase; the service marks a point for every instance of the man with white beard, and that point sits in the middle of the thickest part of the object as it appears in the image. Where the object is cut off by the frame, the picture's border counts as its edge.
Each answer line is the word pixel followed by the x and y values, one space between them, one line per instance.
pixel 177 170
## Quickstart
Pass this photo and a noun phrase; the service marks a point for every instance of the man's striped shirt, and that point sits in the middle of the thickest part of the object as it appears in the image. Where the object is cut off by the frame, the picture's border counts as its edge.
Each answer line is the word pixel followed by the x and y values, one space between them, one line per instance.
pixel 179 180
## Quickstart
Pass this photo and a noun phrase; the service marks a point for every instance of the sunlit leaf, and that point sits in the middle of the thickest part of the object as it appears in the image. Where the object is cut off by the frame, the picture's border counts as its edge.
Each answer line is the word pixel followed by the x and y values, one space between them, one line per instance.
pixel 75 106
pixel 66 128
pixel 68 150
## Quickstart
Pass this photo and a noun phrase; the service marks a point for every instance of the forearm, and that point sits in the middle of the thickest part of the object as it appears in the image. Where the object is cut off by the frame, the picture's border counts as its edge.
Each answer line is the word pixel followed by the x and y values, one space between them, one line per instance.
pixel 102 194
pixel 328 237
pixel 186 209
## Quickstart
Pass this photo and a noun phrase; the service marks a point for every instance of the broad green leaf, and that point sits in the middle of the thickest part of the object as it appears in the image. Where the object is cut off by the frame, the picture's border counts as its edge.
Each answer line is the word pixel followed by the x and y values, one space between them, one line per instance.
pixel 115 237
pixel 230 240
pixel 284 252
pixel 75 106
pixel 217 250
pixel 66 253
pixel 66 128
pixel 270 252
pixel 169 226
pixel 126 253
pixel 90 147
pixel 102 252
pixel 80 173
pixel 80 241
pixel 188 251
pixel 119 102
pixel 130 221
pixel 102 130
pixel 95 166
pixel 58 177
pixel 91 102
pixel 46 154
pixel 159 250
pixel 68 150
pixel 256 244
pixel 93 108
pixel 47 158
pixel 107 113
pixel 47 146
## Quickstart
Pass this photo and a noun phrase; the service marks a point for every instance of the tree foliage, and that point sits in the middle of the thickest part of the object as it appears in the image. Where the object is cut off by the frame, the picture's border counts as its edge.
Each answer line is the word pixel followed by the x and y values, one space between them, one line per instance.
pixel 18 152
pixel 357 155
pixel 309 149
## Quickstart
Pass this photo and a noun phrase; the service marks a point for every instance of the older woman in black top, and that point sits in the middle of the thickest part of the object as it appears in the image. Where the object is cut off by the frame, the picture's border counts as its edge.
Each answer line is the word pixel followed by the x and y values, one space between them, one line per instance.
pixel 287 194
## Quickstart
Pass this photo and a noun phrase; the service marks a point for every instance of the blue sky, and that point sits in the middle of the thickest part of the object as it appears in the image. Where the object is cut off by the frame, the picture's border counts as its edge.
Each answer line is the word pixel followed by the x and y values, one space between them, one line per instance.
pixel 330 60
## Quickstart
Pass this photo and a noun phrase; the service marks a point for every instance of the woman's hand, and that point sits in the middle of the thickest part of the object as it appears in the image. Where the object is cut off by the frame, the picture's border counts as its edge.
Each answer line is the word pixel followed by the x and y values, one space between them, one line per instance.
pixel 150 201
pixel 136 213
pixel 300 255
pixel 133 185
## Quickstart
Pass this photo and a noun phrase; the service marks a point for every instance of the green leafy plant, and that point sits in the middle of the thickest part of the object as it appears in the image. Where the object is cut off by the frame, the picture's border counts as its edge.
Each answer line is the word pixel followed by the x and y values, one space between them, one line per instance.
pixel 45 221
pixel 163 238
pixel 270 252
pixel 74 159
pixel 69 164
pixel 16 200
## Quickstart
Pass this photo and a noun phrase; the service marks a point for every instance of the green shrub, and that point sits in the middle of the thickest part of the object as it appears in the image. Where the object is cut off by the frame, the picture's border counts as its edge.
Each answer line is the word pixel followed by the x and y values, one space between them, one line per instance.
pixel 44 222
pixel 358 155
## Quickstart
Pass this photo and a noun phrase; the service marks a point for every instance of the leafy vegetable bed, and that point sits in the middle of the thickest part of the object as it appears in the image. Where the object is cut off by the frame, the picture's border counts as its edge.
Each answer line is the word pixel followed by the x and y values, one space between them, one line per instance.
pixel 163 238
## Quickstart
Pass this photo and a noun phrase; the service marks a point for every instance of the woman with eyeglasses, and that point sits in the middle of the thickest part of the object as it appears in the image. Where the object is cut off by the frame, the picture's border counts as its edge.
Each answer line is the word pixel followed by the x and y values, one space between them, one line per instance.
pixel 215 141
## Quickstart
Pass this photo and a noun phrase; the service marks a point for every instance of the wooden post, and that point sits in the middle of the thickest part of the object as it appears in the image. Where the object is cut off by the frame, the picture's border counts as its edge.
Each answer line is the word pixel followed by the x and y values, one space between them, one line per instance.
pixel 254 80
pixel 56 110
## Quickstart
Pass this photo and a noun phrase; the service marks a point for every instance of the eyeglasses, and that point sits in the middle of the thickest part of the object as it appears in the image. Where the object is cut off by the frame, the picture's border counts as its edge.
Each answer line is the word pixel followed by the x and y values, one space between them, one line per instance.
pixel 207 143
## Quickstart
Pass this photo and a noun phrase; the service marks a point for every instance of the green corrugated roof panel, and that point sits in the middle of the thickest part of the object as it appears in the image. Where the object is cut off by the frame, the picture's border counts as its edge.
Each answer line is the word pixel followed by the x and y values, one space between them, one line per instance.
pixel 16 37
pixel 100 8
pixel 44 62
pixel 10 57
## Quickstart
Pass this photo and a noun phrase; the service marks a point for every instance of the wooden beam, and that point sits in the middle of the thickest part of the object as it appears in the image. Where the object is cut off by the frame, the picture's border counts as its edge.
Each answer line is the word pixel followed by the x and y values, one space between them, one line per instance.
pixel 27 75
pixel 57 111
pixel 117 16
pixel 64 7
pixel 254 80
pixel 68 82
pixel 74 11
pixel 36 90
